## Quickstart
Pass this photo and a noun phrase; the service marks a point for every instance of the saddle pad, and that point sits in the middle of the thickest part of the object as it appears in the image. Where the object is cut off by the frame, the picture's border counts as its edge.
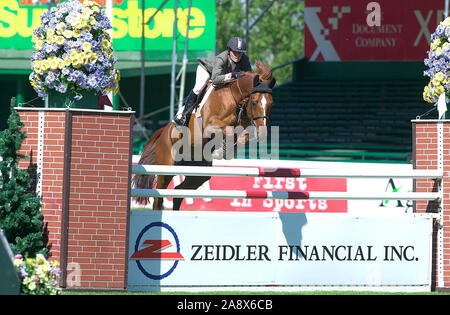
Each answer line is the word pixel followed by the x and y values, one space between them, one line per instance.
pixel 198 110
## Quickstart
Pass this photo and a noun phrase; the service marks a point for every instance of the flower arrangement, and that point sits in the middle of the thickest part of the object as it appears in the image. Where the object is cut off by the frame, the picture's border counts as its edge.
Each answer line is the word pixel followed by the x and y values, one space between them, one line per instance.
pixel 438 63
pixel 73 51
pixel 38 275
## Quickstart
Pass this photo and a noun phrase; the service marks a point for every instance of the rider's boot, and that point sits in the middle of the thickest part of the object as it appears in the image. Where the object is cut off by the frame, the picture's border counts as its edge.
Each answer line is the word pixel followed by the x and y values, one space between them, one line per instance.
pixel 180 118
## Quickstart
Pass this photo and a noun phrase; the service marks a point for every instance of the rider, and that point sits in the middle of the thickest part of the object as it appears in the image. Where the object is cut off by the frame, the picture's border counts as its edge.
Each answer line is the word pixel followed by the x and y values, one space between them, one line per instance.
pixel 221 69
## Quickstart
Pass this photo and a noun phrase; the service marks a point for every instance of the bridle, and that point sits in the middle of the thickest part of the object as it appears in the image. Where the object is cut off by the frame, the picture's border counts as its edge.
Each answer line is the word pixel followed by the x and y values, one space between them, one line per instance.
pixel 261 87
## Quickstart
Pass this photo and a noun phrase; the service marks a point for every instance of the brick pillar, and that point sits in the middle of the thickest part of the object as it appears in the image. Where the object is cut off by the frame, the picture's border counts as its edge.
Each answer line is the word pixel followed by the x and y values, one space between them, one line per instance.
pixel 84 161
pixel 430 153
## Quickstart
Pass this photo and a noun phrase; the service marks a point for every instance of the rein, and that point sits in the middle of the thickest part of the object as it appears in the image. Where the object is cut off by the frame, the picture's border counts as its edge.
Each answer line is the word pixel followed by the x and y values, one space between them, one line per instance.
pixel 260 88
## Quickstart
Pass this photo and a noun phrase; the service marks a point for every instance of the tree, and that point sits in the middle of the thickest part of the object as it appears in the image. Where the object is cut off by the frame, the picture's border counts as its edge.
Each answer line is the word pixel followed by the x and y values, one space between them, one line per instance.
pixel 20 215
pixel 277 38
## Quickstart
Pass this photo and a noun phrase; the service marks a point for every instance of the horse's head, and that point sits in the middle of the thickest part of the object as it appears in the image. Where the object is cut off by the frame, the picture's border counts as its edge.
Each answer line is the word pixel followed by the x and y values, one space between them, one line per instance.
pixel 260 100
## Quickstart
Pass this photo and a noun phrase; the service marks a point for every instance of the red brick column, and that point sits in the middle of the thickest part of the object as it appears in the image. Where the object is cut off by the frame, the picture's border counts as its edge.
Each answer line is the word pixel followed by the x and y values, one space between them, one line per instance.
pixel 430 154
pixel 85 179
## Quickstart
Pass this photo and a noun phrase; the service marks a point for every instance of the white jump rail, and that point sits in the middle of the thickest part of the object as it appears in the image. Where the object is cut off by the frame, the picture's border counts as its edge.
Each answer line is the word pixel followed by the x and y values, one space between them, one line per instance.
pixel 258 194
pixel 278 172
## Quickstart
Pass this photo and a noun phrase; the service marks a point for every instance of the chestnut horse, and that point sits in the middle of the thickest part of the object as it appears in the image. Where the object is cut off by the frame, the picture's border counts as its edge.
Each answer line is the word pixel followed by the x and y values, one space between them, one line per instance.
pixel 244 102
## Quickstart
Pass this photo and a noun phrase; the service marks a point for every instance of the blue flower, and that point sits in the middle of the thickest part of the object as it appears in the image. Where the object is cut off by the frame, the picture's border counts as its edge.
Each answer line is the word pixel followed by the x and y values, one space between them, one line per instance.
pixel 23 272
pixel 92 81
pixel 61 88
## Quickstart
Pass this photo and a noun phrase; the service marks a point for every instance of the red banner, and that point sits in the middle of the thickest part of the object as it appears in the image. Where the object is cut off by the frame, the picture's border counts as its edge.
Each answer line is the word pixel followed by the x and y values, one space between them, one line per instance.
pixel 363 30
pixel 268 183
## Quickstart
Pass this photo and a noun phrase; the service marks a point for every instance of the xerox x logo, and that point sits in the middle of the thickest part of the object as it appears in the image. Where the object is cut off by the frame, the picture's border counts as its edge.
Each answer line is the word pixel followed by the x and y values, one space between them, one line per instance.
pixel 151 254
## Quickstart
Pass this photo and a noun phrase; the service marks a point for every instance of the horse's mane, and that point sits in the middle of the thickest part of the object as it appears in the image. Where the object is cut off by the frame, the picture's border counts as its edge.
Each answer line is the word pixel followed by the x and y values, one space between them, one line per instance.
pixel 263 70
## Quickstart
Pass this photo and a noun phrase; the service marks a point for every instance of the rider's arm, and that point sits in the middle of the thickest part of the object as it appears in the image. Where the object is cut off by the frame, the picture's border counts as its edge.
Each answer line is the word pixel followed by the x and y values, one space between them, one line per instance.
pixel 218 75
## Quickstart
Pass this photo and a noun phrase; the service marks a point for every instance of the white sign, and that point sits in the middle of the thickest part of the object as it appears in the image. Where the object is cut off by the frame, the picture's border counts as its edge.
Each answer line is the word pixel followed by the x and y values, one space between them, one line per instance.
pixel 203 249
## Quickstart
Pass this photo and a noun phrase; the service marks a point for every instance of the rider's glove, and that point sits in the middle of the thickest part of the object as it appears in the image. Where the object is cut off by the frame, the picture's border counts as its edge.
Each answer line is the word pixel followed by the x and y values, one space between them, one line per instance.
pixel 236 74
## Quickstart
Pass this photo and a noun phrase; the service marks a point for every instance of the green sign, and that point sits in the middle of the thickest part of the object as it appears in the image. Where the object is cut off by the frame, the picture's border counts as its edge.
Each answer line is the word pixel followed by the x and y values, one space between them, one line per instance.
pixel 18 18
pixel 127 25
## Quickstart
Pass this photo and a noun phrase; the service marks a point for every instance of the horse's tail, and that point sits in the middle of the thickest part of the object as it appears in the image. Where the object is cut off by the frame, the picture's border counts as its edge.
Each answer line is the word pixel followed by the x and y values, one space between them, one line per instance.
pixel 148 157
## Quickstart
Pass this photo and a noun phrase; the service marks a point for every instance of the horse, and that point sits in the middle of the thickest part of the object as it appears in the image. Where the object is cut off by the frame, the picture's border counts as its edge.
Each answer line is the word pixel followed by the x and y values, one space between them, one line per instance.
pixel 246 101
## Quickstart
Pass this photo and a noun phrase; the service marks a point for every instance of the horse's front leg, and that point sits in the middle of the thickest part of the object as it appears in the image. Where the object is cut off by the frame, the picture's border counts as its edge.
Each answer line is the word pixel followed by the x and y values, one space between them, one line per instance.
pixel 223 140
pixel 190 182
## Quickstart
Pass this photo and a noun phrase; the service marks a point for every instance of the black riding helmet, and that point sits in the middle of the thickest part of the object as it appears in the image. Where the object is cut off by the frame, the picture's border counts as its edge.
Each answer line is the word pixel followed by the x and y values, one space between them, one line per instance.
pixel 237 44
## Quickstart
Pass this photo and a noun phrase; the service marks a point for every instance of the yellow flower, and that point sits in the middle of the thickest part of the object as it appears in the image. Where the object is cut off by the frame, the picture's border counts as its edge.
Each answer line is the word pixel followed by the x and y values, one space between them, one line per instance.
pixel 18 262
pixel 76 33
pixel 117 75
pixel 87 12
pixel 446 22
pixel 61 64
pixel 60 40
pixel 435 43
pixel 86 46
pixel 60 27
pixel 438 51
pixel 77 60
pixel 51 39
pixel 45 65
pixel 39 44
pixel 36 65
pixel 106 44
pixel 90 3
pixel 73 54
pixel 75 20
pixel 53 63
pixel 35 38
pixel 439 76
pixel 67 61
pixel 87 55
pixel 32 286
pixel 34 85
pixel 85 17
pixel 94 58
pixel 438 90
pixel 68 34
pixel 50 32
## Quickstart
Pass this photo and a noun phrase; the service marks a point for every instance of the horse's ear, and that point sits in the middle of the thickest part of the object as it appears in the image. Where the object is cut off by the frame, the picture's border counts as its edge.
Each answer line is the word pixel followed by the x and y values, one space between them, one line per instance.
pixel 258 66
pixel 256 80
pixel 272 83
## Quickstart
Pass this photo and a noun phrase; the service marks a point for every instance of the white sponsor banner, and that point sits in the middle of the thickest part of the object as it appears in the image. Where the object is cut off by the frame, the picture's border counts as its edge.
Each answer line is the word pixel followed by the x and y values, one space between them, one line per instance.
pixel 217 249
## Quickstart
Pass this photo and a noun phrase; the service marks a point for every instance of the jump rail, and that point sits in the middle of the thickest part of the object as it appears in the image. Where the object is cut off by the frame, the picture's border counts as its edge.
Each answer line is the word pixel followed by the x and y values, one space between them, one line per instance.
pixel 277 172
pixel 258 194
